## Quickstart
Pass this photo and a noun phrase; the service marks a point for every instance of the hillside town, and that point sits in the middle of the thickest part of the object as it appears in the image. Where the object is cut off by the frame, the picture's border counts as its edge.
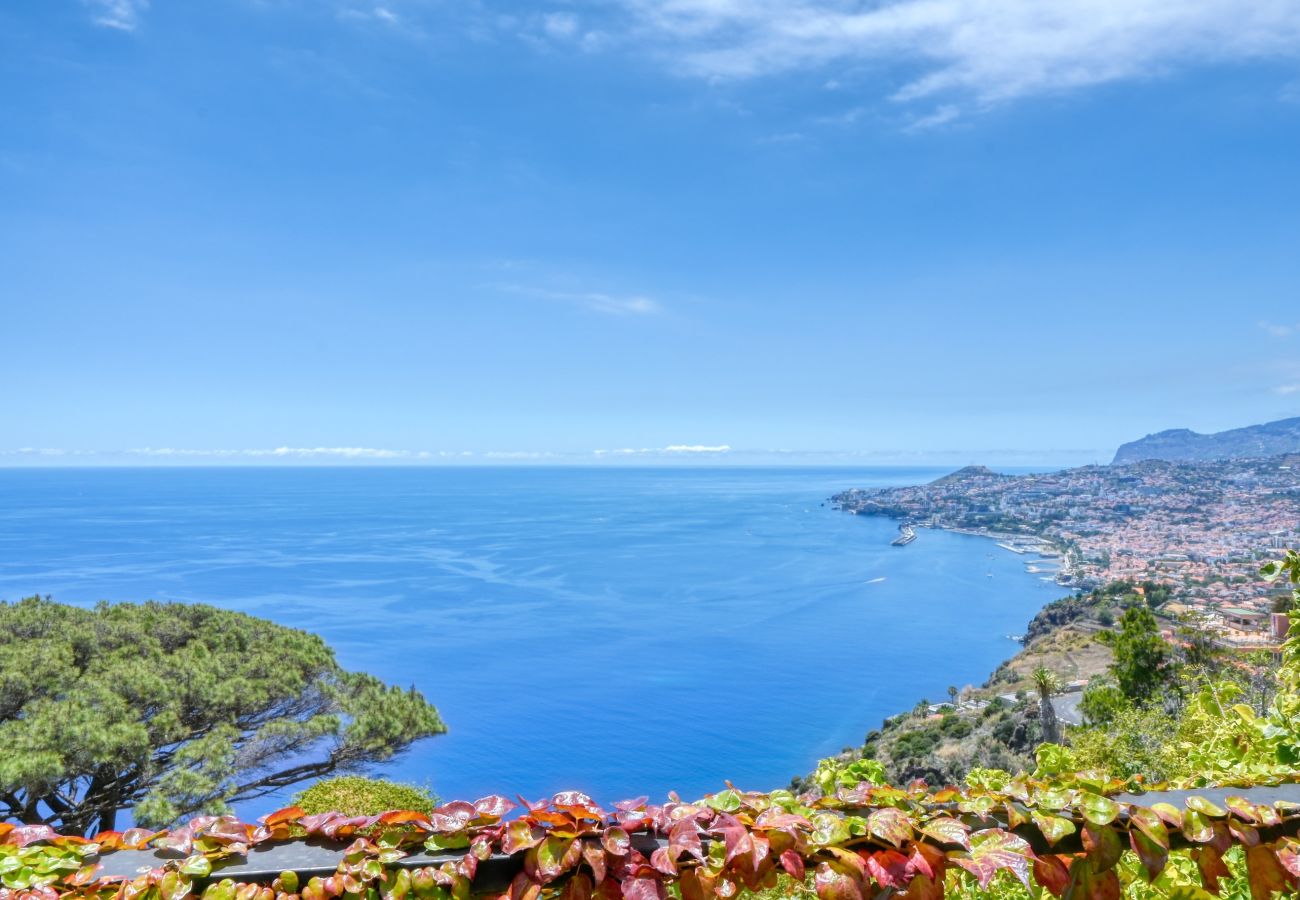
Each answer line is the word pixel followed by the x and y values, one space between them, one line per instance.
pixel 1202 528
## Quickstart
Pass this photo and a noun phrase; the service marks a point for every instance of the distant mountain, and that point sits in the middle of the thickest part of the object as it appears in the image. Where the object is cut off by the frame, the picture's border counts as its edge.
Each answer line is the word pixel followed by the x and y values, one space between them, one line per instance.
pixel 1183 445
pixel 964 474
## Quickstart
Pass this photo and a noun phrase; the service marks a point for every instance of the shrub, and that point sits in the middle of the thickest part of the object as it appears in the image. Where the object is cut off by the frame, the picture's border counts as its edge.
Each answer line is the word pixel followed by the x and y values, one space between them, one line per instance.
pixel 354 795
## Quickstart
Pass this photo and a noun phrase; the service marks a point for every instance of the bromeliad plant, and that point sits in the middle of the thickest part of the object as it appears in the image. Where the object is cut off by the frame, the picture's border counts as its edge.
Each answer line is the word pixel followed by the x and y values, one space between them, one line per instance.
pixel 1064 835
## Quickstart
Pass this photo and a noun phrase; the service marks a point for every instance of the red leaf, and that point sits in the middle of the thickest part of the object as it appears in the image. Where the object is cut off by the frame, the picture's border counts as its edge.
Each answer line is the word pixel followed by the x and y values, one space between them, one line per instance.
pixel 30 834
pixel 288 814
pixel 1153 855
pixel 835 884
pixel 403 817
pixel 1052 873
pixel 493 807
pixel 994 849
pixel 684 837
pixel 519 835
pixel 1267 876
pixel 923 888
pixel 891 825
pixel 890 868
pixel 929 861
pixel 616 841
pixel 524 888
pixel 643 889
pixel 1087 884
pixel 793 864
pixel 696 884
pixel 1210 861
pixel 1288 854
pixel 662 861
pixel 595 858
pixel 1102 845
pixel 577 888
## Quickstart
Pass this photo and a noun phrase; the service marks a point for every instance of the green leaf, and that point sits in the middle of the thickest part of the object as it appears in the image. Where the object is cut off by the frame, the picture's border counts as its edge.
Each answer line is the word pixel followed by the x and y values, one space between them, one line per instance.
pixel 1053 828
pixel 1097 809
pixel 1150 824
pixel 829 828
pixel 1206 808
pixel 1197 828
pixel 197 867
pixel 723 801
pixel 947 830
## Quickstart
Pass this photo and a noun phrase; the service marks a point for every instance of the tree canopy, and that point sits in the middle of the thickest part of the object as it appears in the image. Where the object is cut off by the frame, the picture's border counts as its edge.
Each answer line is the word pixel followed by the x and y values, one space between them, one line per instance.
pixel 1143 663
pixel 175 709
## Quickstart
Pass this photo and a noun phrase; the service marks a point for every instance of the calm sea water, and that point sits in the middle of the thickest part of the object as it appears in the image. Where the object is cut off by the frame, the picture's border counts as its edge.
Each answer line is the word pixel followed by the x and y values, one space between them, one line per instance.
pixel 617 631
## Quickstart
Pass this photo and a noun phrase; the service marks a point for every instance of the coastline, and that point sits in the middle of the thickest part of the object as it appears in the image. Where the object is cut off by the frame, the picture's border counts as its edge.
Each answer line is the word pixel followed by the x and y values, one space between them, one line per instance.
pixel 1045 547
pixel 1007 682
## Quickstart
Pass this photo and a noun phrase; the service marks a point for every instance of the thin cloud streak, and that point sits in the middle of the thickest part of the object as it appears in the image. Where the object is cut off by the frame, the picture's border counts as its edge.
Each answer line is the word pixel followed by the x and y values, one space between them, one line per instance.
pixel 986 50
pixel 1280 330
pixel 123 15
pixel 720 454
pixel 594 301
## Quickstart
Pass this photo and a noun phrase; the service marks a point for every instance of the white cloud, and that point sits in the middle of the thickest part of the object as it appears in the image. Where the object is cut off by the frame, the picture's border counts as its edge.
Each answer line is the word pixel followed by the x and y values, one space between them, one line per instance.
pixel 561 24
pixel 670 450
pixel 1280 330
pixel 595 301
pixel 284 453
pixel 985 50
pixel 1287 389
pixel 123 15
pixel 941 116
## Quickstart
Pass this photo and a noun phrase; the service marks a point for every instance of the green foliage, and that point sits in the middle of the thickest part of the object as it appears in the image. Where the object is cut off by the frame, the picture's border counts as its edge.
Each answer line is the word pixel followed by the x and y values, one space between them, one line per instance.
pixel 1054 761
pixel 1144 664
pixel 1135 741
pixel 175 709
pixel 355 795
pixel 1102 701
pixel 832 775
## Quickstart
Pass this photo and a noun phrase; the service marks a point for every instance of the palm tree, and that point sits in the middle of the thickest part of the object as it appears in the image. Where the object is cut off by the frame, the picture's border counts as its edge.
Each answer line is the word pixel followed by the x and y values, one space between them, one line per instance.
pixel 952 695
pixel 1047 685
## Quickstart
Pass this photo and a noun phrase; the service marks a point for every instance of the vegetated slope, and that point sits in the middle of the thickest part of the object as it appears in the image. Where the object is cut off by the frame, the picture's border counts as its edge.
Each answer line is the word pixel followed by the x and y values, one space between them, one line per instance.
pixel 997 726
pixel 1184 445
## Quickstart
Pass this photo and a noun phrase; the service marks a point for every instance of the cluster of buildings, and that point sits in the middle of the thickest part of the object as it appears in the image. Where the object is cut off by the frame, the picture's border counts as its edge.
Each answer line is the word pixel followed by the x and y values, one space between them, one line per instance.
pixel 1203 528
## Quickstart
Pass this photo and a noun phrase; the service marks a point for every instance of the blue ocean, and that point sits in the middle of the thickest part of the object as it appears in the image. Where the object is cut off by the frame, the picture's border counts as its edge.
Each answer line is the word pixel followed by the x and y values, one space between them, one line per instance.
pixel 621 631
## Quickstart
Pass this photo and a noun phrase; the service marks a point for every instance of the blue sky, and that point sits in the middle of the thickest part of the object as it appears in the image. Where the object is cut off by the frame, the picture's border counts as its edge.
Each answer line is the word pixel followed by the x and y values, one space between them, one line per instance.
pixel 1002 231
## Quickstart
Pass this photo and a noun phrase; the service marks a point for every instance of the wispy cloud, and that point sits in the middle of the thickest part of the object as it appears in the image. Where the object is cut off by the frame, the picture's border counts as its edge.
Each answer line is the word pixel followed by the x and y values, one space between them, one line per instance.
pixel 671 454
pixel 1280 330
pixel 595 301
pixel 287 453
pixel 1287 390
pixel 124 15
pixel 670 450
pixel 984 50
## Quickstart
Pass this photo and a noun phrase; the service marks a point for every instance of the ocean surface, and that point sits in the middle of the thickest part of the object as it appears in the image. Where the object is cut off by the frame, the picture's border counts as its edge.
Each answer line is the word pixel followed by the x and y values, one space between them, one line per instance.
pixel 617 631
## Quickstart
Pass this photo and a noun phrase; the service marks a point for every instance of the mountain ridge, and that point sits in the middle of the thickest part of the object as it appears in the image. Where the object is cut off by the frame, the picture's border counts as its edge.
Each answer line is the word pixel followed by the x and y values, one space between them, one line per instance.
pixel 1184 445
